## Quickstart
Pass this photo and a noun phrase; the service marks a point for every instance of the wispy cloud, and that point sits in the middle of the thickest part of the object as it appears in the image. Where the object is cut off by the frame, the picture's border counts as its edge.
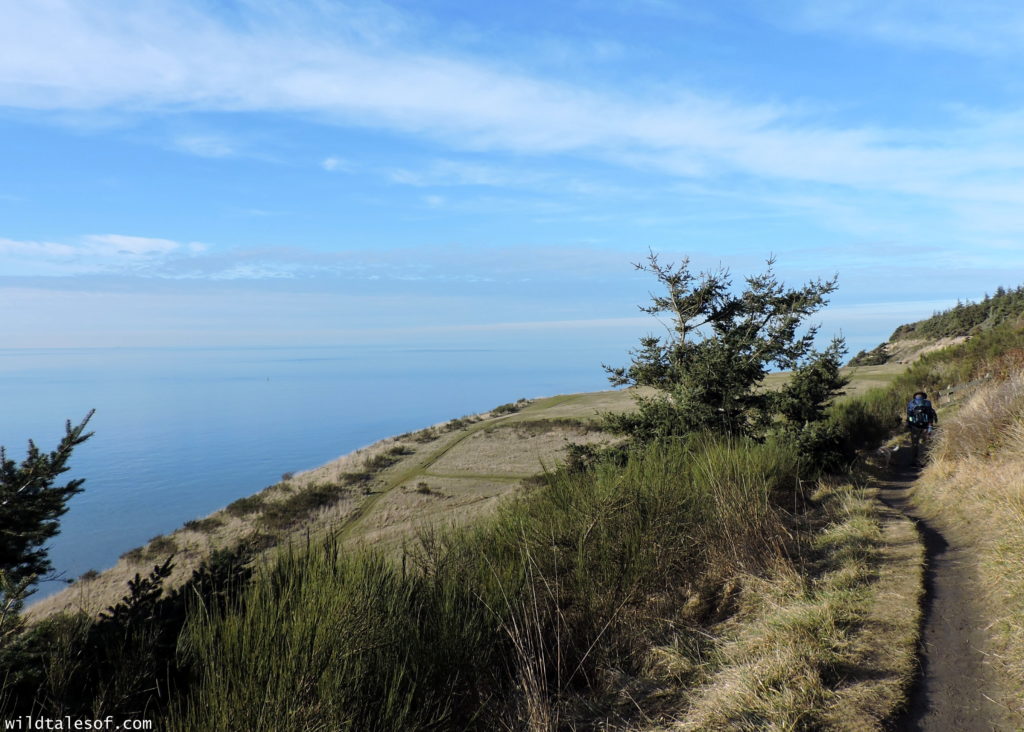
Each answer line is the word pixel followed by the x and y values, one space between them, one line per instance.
pixel 206 146
pixel 460 173
pixel 92 254
pixel 995 27
pixel 67 56
pixel 334 164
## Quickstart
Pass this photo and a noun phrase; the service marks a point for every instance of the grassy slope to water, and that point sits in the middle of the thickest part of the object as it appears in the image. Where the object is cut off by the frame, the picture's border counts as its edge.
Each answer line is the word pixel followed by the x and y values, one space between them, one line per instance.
pixel 634 598
pixel 385 493
pixel 381 494
pixel 662 593
pixel 619 598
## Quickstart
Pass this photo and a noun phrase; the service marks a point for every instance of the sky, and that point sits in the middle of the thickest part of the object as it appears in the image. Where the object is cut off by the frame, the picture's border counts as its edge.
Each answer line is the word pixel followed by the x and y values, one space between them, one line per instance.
pixel 269 172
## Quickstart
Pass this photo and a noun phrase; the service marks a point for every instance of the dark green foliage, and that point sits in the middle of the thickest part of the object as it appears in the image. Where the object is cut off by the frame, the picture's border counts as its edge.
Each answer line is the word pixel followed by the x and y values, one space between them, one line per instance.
pixel 135 555
pixel 875 357
pixel 30 506
pixel 381 461
pixel 143 593
pixel 299 506
pixel 356 479
pixel 425 435
pixel 510 408
pixel 245 505
pixel 709 369
pixel 460 423
pixel 529 428
pixel 161 546
pixel 204 525
pixel 871 418
pixel 967 318
pixel 569 586
pixel 258 541
pixel 126 663
pixel 812 387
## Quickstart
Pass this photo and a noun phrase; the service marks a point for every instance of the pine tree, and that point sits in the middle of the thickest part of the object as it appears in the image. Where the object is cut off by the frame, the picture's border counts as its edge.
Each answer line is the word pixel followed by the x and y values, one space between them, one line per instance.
pixel 30 508
pixel 708 371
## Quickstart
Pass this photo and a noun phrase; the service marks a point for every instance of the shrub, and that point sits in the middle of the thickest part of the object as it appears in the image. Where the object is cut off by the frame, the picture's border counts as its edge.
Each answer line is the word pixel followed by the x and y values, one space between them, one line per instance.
pixel 160 546
pixel 245 505
pixel 511 407
pixel 355 479
pixel 89 574
pixel 380 461
pixel 425 435
pixel 134 556
pixel 567 582
pixel 300 506
pixel 204 525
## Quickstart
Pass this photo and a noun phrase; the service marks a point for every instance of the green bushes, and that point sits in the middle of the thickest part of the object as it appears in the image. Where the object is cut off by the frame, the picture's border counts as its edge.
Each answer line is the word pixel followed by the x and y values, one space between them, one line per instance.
pixel 204 525
pixel 245 505
pixel 125 663
pixel 160 547
pixel 510 408
pixel 387 458
pixel 562 590
pixel 281 515
pixel 967 317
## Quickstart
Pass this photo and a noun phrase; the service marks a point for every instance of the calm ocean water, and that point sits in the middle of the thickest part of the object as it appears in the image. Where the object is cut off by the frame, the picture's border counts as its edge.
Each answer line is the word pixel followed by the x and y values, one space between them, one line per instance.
pixel 182 432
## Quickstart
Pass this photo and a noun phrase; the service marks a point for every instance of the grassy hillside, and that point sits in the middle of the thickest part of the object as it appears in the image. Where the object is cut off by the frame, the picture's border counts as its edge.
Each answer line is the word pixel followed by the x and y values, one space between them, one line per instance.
pixel 628 596
pixel 946 327
pixel 444 579
pixel 387 492
pixel 973 490
pixel 381 494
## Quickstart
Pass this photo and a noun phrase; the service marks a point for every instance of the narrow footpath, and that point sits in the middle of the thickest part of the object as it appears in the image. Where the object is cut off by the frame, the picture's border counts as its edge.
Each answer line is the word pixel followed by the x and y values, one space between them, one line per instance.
pixel 950 692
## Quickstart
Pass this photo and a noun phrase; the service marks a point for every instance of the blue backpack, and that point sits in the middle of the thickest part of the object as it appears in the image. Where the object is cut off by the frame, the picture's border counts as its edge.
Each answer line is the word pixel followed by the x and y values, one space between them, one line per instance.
pixel 919 413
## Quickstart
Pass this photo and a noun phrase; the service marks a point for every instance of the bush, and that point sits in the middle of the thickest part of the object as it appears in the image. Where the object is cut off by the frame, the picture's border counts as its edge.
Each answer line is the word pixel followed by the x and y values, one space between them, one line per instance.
pixel 425 435
pixel 204 525
pixel 567 582
pixel 510 408
pixel 356 479
pixel 89 574
pixel 245 505
pixel 300 506
pixel 134 556
pixel 126 663
pixel 161 546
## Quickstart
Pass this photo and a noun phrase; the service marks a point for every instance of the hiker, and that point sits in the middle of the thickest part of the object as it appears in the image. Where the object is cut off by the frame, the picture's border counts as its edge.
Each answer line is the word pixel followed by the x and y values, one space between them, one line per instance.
pixel 921 418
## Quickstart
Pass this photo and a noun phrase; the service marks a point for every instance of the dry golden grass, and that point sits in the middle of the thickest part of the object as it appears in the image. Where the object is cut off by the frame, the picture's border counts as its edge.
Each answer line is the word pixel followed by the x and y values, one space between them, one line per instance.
pixel 828 650
pixel 473 455
pixel 973 489
pixel 471 467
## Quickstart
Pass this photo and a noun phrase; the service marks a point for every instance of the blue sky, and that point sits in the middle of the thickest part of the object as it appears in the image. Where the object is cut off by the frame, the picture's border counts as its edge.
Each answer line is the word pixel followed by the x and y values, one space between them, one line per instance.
pixel 261 172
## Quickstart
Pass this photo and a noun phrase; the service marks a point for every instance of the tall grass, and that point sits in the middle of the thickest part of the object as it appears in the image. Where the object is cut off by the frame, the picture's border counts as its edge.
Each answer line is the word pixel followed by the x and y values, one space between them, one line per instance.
pixel 974 488
pixel 564 591
pixel 996 353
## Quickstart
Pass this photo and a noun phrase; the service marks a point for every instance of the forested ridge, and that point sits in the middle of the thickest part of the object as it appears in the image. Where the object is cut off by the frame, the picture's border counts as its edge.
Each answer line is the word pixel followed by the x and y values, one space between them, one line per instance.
pixel 964 319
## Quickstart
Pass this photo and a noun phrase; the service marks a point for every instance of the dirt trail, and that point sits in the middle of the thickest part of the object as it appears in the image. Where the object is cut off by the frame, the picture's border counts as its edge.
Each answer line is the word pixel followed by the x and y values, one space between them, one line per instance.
pixel 951 690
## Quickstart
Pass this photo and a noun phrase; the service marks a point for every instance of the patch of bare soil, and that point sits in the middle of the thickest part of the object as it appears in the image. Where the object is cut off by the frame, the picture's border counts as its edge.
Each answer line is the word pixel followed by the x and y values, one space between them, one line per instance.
pixel 952 691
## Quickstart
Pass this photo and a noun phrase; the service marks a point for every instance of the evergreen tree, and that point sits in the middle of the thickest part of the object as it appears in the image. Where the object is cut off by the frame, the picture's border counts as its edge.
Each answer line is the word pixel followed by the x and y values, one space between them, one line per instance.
pixel 813 387
pixel 30 508
pixel 708 371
